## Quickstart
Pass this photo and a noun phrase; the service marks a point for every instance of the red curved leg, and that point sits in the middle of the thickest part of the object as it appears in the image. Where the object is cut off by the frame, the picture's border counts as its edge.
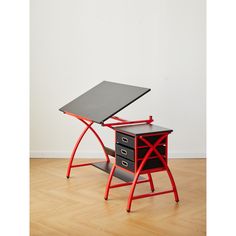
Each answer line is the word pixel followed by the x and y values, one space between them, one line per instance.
pixel 109 182
pixel 151 149
pixel 78 142
pixel 99 139
pixel 172 183
pixel 151 182
pixel 75 148
pixel 137 175
pixel 132 191
pixel 170 176
pixel 167 169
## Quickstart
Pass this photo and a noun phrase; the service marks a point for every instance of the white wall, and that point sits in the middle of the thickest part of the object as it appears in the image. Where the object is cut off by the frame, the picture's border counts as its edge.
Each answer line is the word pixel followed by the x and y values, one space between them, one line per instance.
pixel 76 44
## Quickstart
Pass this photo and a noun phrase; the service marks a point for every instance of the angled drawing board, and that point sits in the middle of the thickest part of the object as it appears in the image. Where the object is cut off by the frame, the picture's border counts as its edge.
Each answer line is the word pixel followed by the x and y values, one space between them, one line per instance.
pixel 104 100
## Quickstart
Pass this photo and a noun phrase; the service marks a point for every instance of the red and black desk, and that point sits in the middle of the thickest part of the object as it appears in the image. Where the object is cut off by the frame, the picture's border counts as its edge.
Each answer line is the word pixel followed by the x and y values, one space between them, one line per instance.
pixel 141 148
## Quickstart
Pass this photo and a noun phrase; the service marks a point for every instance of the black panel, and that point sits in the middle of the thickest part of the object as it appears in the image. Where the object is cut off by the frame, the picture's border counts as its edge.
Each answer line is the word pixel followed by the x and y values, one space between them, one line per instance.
pixel 110 151
pixel 151 139
pixel 142 151
pixel 104 100
pixel 151 164
pixel 142 129
pixel 125 176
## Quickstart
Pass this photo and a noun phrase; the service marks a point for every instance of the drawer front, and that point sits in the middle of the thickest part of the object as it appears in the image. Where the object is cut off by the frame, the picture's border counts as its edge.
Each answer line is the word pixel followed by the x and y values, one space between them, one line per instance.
pixel 151 164
pixel 125 152
pixel 125 139
pixel 125 163
pixel 142 151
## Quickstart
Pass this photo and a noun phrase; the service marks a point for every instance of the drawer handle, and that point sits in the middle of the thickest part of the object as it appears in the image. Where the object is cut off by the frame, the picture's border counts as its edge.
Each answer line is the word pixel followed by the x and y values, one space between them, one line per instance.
pixel 124 163
pixel 124 152
pixel 125 140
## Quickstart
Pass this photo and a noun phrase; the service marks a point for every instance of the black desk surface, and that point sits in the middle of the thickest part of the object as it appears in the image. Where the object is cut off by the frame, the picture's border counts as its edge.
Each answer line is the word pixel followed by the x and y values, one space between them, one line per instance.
pixel 136 130
pixel 104 100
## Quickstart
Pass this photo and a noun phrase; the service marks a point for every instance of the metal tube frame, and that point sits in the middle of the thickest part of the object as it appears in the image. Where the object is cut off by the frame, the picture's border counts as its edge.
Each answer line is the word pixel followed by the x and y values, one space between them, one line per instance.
pixel 125 122
pixel 138 171
pixel 152 147
pixel 165 166
pixel 88 124
pixel 88 127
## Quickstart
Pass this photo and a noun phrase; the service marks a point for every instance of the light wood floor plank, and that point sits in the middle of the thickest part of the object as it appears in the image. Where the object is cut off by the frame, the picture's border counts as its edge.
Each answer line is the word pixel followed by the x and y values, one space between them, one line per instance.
pixel 75 206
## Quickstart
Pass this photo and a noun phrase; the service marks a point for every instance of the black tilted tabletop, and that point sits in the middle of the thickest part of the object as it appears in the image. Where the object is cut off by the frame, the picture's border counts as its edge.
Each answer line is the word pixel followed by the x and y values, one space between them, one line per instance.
pixel 104 100
pixel 135 130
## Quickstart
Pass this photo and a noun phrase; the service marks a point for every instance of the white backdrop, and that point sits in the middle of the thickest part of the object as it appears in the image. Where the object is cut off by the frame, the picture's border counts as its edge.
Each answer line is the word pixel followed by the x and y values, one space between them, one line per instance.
pixel 158 44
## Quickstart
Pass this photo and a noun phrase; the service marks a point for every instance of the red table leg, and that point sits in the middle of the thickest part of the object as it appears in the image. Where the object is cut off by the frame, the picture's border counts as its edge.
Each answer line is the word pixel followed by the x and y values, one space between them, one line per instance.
pixel 151 149
pixel 109 182
pixel 167 169
pixel 88 126
pixel 151 182
pixel 99 139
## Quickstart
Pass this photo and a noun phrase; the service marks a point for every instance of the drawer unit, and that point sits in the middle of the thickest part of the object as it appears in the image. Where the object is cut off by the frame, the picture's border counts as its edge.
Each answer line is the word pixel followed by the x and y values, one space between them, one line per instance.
pixel 130 150
pixel 134 145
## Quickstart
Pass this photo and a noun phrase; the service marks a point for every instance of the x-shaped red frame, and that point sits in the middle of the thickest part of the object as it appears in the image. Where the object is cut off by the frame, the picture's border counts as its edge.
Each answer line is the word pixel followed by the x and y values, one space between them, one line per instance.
pixel 88 127
pixel 152 147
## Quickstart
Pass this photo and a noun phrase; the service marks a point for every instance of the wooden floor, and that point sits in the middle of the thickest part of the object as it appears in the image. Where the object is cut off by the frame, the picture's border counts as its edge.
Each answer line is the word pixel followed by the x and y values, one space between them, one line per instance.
pixel 75 206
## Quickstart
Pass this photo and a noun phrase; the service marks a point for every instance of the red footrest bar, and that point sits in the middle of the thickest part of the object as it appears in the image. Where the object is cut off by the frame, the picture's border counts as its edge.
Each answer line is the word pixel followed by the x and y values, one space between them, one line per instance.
pixel 85 164
pixel 125 184
pixel 151 194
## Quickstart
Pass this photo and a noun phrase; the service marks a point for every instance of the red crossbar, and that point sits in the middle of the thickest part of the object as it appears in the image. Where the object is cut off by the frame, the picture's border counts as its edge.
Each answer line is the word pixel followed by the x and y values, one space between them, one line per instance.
pixel 123 122
pixel 85 164
pixel 117 118
pixel 88 127
pixel 129 183
pixel 151 194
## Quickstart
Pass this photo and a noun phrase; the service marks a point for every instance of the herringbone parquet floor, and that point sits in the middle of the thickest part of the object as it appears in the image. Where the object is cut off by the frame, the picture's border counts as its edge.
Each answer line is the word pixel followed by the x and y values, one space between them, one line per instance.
pixel 75 206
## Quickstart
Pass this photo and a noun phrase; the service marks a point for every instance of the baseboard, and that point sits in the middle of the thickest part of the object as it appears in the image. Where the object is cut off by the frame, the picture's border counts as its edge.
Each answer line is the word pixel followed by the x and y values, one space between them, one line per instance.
pixel 66 154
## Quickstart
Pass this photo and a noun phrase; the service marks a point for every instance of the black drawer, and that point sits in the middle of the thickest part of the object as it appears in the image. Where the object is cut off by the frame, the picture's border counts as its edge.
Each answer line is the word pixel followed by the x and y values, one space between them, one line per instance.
pixel 125 139
pixel 125 152
pixel 151 164
pixel 125 163
pixel 129 153
pixel 142 151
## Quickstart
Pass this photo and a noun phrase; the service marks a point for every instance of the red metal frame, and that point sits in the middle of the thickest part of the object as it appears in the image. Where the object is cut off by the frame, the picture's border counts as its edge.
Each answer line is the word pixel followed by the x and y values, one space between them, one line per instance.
pixel 88 124
pixel 139 171
pixel 88 127
pixel 108 186
pixel 117 118
pixel 165 166
pixel 125 122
